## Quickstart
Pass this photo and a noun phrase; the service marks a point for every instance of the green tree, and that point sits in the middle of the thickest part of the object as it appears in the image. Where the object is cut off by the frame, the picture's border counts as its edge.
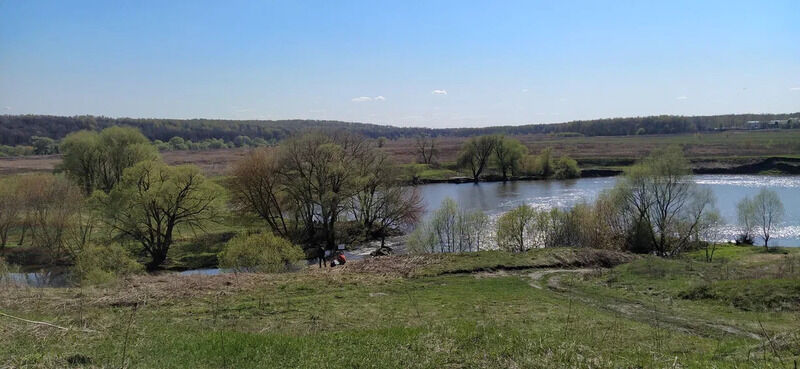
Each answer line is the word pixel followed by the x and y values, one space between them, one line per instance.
pixel 662 199
pixel 44 145
pixel 508 153
pixel 96 160
pixel 153 201
pixel 262 252
pixel 514 229
pixel 567 167
pixel 475 154
pixel 177 143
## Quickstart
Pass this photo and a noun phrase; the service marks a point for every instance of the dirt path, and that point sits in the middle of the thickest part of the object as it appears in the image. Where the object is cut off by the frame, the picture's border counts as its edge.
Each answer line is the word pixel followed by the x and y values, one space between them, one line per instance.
pixel 660 316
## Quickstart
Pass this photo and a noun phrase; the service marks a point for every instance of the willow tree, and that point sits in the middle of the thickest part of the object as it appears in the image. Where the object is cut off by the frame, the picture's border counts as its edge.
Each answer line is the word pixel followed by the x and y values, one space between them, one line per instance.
pixel 96 161
pixel 507 154
pixel 306 186
pixel 475 154
pixel 154 201
pixel 663 200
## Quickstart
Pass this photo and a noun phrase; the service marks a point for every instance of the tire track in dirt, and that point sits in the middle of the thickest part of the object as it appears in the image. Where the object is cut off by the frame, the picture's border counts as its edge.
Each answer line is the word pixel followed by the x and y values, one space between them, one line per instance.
pixel 658 316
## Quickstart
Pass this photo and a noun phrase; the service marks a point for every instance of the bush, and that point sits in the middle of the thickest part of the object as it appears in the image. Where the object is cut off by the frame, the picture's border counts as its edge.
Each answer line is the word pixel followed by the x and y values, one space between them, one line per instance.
pixel 567 167
pixel 102 264
pixel 262 252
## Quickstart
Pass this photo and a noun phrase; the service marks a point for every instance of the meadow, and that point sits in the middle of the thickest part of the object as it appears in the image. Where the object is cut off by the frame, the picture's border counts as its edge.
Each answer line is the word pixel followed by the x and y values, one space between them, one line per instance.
pixel 547 308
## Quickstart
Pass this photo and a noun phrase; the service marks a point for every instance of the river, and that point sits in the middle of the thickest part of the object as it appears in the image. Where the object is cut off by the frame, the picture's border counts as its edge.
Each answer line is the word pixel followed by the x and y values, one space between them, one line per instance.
pixel 498 197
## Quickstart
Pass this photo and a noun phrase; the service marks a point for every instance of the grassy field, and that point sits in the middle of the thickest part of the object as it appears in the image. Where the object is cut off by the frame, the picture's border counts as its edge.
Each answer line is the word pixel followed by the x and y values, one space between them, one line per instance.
pixel 554 308
pixel 717 148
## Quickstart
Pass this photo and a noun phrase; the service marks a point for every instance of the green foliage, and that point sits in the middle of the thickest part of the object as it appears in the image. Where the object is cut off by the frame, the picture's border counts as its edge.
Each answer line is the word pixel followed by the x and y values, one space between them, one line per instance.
pixel 262 252
pixel 514 229
pixel 44 145
pixel 99 264
pixel 153 201
pixel 450 229
pixel 508 153
pixel 96 161
pixel 566 168
pixel 475 154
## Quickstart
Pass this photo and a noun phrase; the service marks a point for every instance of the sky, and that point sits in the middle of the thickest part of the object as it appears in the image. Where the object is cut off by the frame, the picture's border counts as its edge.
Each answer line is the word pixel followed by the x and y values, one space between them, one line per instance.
pixel 406 63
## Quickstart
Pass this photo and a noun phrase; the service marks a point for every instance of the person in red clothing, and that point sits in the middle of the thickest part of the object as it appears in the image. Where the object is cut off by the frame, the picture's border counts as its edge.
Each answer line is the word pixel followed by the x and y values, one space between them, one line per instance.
pixel 341 259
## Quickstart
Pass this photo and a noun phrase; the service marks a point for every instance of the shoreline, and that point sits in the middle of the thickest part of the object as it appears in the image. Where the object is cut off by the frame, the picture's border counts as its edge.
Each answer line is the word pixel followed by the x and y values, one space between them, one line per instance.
pixel 772 165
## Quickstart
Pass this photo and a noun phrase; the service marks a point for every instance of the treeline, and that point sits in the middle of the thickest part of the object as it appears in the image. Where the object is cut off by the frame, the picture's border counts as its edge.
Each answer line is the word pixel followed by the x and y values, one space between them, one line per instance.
pixel 19 129
pixel 113 202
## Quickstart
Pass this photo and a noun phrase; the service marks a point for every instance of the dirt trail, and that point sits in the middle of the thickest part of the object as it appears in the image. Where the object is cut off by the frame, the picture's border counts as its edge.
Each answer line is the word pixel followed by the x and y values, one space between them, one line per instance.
pixel 660 316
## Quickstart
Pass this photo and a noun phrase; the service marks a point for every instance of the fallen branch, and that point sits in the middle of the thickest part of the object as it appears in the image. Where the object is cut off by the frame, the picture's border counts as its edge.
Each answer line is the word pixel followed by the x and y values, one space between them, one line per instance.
pixel 45 323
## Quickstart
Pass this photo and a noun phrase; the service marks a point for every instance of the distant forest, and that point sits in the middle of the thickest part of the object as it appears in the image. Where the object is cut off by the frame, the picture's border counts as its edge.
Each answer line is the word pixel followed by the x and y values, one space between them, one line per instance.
pixel 19 129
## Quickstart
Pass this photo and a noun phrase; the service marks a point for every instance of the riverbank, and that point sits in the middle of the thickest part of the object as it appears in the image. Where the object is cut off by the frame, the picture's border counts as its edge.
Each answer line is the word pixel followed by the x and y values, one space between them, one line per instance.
pixel 771 165
pixel 539 309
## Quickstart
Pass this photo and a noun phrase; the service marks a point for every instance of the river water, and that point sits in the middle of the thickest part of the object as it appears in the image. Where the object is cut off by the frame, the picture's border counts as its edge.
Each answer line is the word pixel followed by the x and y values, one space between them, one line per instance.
pixel 498 197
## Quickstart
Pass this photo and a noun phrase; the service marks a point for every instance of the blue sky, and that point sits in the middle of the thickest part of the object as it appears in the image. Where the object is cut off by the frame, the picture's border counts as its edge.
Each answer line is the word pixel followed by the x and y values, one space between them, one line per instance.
pixel 408 63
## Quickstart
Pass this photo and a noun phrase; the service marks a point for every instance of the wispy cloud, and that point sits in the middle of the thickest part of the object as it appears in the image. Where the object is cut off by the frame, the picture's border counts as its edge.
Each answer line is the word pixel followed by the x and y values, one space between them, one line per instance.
pixel 439 92
pixel 361 99
pixel 681 98
pixel 795 88
pixel 7 108
pixel 524 90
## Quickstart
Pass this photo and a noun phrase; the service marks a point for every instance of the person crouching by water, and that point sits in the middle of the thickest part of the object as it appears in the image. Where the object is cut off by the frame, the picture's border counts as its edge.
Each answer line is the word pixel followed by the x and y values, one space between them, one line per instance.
pixel 338 258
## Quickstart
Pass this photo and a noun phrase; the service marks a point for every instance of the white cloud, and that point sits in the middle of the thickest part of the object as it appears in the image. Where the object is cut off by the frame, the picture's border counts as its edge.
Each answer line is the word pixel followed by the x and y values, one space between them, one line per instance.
pixel 795 88
pixel 439 92
pixel 525 90
pixel 361 99
pixel 681 98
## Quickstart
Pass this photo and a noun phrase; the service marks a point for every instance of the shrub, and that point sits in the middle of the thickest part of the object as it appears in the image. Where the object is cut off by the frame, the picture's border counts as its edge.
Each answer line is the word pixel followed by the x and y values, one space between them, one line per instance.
pixel 567 167
pixel 98 264
pixel 262 252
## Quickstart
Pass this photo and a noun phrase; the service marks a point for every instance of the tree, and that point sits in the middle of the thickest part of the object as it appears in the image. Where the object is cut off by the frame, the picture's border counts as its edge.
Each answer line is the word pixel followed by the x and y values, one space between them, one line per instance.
pixel 475 154
pixel 507 153
pixel 153 201
pixel 304 188
pixel 450 229
pixel 380 203
pixel 566 168
pixel 10 207
pixel 44 145
pixel 665 202
pixel 256 186
pixel 545 163
pixel 746 215
pixel 97 160
pixel 768 211
pixel 52 207
pixel 426 148
pixel 262 252
pixel 514 229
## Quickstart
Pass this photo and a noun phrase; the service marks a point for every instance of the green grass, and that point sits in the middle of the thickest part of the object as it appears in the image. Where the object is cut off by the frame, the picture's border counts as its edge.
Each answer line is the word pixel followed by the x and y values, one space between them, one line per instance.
pixel 445 316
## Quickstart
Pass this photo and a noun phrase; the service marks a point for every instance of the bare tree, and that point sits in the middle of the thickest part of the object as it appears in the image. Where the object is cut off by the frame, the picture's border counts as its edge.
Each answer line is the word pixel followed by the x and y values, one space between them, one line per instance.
pixel 426 148
pixel 768 211
pixel 10 207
